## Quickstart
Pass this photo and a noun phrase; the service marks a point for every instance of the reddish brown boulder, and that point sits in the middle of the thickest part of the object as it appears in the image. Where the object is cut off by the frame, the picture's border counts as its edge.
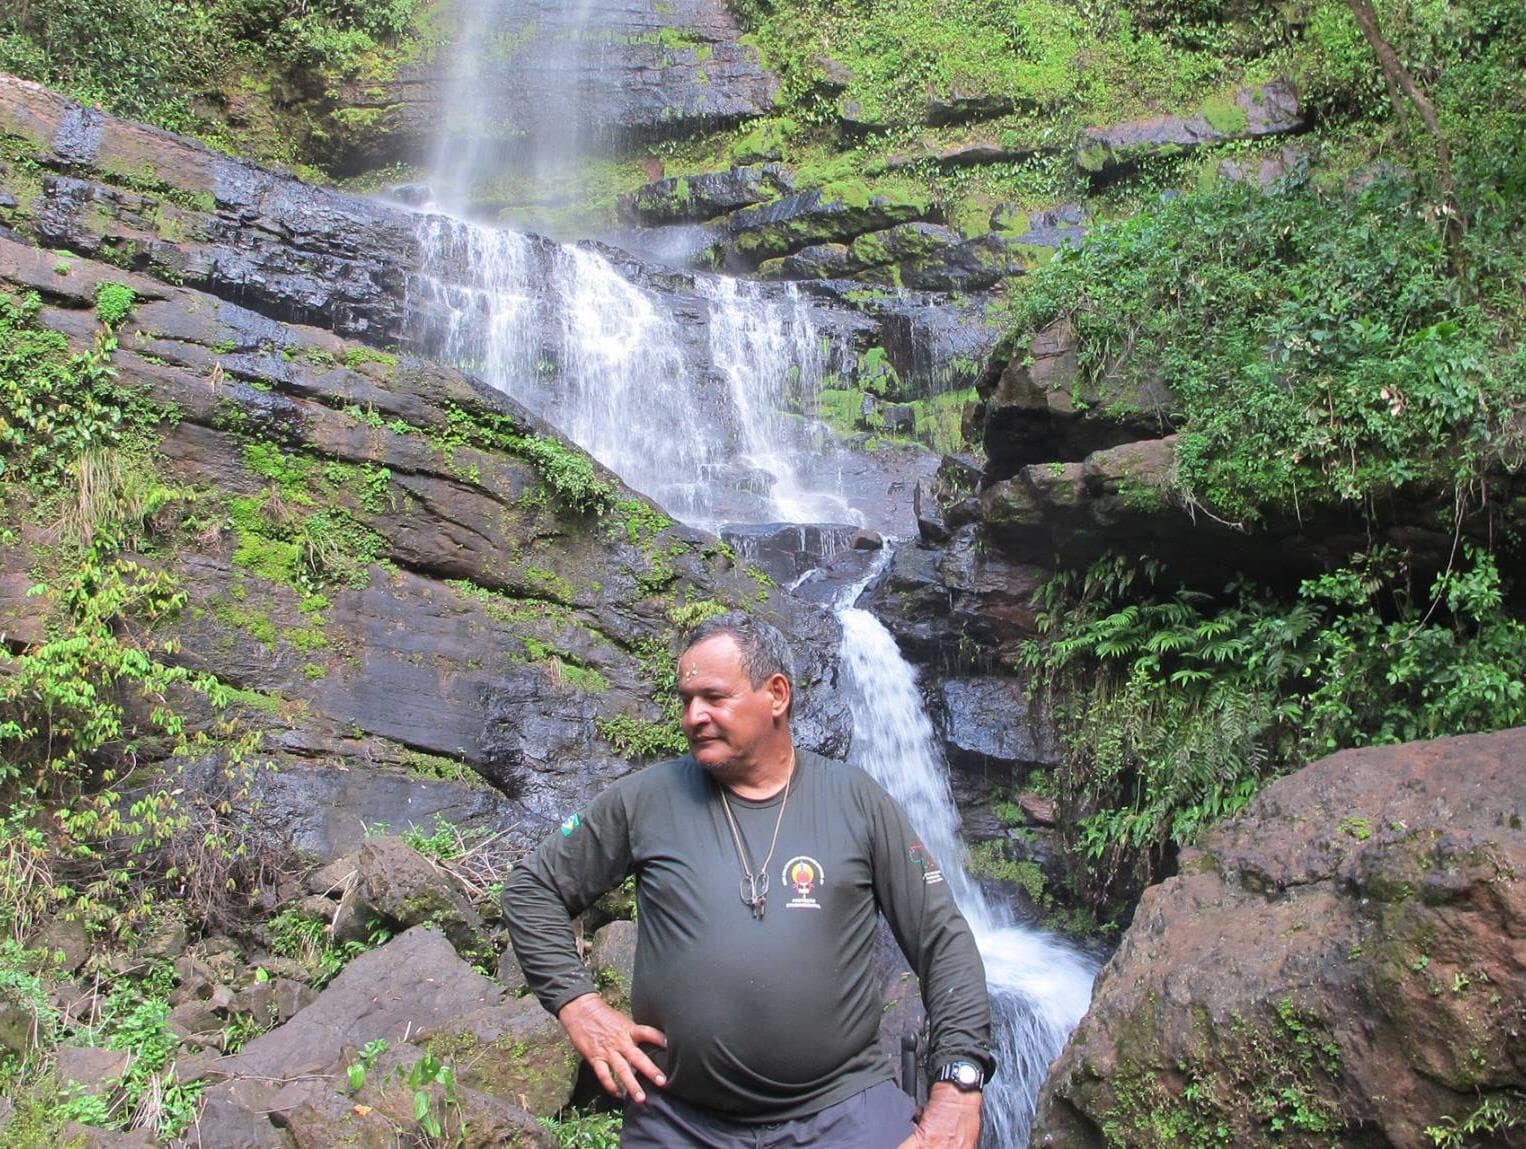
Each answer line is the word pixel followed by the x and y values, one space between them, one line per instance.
pixel 1344 962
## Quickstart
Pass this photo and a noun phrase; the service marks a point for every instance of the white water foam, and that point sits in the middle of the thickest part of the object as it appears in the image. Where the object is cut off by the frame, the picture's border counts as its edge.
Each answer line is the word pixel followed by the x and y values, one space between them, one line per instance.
pixel 708 426
pixel 1040 988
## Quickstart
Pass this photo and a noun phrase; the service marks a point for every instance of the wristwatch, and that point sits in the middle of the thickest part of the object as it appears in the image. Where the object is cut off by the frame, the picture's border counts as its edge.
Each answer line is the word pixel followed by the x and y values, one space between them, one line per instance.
pixel 965 1076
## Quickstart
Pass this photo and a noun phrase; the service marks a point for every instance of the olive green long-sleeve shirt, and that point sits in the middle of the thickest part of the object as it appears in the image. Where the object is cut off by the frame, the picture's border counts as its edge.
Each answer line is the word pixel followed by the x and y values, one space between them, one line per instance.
pixel 766 1019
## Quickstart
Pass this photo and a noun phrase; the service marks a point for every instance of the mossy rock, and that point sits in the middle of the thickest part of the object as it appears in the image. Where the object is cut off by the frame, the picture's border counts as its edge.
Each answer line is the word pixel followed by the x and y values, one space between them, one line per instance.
pixel 517 1052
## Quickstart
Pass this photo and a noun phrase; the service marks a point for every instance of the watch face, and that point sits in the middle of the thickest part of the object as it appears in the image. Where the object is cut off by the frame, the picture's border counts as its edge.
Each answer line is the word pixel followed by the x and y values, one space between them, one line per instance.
pixel 962 1075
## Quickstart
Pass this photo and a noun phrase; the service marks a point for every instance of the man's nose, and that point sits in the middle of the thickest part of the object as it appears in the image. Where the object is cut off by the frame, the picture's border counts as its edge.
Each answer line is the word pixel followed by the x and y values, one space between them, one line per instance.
pixel 694 714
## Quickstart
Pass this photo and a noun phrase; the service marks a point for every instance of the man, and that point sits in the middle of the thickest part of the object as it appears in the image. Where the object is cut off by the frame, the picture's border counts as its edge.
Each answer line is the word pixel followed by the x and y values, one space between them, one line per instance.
pixel 761 872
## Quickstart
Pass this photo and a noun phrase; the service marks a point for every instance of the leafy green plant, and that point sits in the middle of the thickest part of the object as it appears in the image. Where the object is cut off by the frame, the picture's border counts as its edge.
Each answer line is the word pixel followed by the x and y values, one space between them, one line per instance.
pixel 584 1130
pixel 309 941
pixel 445 842
pixel 569 473
pixel 1495 1114
pixel 640 738
pixel 1176 708
pixel 355 1072
pixel 1318 350
pixel 113 302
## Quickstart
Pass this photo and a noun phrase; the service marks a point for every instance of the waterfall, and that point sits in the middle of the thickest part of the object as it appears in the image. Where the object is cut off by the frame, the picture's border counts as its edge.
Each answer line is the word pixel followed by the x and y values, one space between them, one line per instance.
pixel 701 396
pixel 560 329
pixel 710 427
pixel 1039 987
pixel 498 146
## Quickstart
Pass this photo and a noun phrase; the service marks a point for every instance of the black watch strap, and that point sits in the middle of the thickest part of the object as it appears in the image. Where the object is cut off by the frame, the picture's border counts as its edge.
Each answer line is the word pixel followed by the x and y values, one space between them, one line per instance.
pixel 965 1076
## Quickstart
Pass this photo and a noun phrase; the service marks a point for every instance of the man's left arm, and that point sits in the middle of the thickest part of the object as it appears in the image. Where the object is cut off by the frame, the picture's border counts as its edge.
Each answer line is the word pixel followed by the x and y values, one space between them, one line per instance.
pixel 937 941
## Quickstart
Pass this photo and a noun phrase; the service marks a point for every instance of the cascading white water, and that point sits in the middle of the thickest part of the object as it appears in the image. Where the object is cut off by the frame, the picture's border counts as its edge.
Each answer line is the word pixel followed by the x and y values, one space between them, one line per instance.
pixel 561 330
pixel 504 146
pixel 1040 988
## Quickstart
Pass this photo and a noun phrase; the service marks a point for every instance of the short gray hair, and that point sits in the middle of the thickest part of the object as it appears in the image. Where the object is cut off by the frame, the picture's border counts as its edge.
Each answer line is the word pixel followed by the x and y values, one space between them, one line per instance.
pixel 764 649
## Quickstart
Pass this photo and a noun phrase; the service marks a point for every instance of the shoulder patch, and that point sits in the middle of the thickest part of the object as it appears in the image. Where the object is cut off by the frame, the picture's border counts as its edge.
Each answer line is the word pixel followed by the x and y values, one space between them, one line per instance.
pixel 922 858
pixel 570 825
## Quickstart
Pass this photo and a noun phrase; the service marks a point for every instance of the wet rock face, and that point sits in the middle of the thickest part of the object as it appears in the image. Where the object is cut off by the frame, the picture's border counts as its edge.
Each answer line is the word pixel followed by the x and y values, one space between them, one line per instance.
pixel 202 219
pixel 483 633
pixel 1344 960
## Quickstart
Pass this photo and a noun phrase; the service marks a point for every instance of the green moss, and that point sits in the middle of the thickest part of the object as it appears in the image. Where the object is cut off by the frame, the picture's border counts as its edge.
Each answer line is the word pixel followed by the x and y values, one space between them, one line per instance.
pixel 548 582
pixel 274 559
pixel 639 738
pixel 1225 116
pixel 256 623
pixel 436 766
pixel 356 355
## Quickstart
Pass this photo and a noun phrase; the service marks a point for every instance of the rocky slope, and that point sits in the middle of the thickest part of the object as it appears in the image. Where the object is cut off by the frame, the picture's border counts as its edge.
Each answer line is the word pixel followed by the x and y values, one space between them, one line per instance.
pixel 462 618
pixel 1343 962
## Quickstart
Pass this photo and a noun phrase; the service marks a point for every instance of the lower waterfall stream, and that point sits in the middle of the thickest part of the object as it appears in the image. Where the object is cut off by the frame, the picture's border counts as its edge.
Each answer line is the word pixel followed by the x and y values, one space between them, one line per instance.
pixel 701 426
pixel 1039 987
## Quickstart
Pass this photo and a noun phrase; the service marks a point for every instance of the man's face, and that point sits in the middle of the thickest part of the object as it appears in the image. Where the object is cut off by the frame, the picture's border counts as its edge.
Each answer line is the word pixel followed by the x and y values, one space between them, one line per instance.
pixel 725 718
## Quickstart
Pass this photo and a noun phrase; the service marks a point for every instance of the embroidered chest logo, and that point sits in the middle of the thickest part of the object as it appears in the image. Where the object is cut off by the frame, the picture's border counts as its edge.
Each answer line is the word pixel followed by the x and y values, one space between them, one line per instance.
pixel 924 861
pixel 805 876
pixel 571 825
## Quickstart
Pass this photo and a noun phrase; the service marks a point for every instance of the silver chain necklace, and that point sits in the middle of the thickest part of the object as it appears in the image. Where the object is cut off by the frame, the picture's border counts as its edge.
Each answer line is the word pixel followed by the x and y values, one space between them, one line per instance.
pixel 753 887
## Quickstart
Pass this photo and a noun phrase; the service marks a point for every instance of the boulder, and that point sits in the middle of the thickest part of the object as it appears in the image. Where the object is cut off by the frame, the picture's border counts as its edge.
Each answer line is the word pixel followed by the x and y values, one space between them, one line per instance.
pixel 274 1001
pixel 95 1072
pixel 1268 110
pixel 65 943
pixel 415 983
pixel 972 266
pixel 836 213
pixel 1343 962
pixel 514 1051
pixel 399 887
pixel 230 1118
pixel 705 196
pixel 19 1023
pixel 613 959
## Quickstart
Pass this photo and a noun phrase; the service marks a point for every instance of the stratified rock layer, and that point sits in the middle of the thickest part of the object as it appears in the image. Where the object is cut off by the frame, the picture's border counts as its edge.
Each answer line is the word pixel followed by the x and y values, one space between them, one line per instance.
pixel 1344 962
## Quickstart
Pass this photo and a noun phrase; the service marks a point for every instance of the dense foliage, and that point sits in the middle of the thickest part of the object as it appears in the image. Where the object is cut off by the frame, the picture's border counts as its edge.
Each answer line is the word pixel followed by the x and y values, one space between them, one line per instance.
pixel 1315 343
pixel 1177 707
pixel 1324 347
pixel 175 62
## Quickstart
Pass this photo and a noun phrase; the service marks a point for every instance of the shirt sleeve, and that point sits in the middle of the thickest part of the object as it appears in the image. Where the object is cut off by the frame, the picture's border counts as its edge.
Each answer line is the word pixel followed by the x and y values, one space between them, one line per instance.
pixel 586 857
pixel 932 933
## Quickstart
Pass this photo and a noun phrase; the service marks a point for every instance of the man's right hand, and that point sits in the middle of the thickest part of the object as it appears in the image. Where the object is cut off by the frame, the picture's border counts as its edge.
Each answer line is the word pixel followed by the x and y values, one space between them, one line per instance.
pixel 611 1043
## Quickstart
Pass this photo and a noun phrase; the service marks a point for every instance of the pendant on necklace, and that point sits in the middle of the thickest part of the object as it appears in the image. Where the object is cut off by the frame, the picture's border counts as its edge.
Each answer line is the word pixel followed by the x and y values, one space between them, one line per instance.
pixel 754 893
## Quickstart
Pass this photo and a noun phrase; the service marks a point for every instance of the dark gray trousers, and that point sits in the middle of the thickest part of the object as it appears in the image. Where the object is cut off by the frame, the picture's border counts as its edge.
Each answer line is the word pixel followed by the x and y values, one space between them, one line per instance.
pixel 880 1117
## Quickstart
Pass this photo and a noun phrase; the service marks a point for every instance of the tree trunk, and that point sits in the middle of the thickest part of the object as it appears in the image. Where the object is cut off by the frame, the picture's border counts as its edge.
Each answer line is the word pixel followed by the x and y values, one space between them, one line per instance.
pixel 1397 77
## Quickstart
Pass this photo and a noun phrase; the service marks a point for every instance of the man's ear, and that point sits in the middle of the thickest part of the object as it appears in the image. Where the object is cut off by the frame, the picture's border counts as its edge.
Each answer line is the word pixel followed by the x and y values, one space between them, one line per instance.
pixel 779 694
